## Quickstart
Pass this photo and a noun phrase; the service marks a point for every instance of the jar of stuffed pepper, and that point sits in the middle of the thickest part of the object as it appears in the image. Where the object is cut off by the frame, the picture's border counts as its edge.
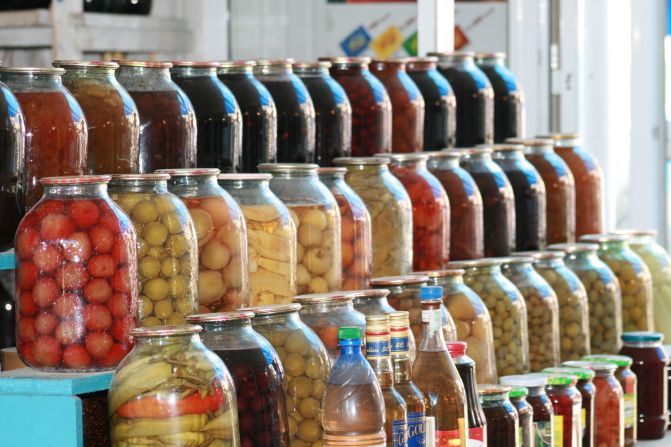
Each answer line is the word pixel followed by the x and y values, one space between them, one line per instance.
pixel 271 238
pixel 167 247
pixel 466 212
pixel 171 387
pixel 317 218
pixel 503 424
pixel 525 412
pixel 76 278
pixel 223 282
pixel 390 210
pixel 567 406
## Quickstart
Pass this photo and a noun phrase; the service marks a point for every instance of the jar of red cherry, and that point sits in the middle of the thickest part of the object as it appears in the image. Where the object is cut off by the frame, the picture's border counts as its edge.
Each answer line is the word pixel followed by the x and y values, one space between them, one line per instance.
pixel 567 406
pixel 76 278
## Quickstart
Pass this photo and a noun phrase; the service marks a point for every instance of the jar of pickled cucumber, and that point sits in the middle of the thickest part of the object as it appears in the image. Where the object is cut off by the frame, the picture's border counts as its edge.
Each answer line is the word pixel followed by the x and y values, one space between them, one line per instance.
pixel 271 238
pixel 306 368
pixel 222 238
pixel 507 309
pixel 542 311
pixel 390 210
pixel 172 390
pixel 167 247
pixel 634 277
pixel 603 293
pixel 317 218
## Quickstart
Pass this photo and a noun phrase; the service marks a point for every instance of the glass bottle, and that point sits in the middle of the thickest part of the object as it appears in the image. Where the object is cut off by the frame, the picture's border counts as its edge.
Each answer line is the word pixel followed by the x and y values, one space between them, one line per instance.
pixel 477 423
pixel 7 309
pixel 12 144
pixel 502 421
pixel 167 120
pixel 525 414
pixel 543 413
pixel 567 405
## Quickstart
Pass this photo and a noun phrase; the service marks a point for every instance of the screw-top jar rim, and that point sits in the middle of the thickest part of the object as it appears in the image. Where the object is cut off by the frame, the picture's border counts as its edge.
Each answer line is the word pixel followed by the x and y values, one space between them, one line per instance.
pixel 411 156
pixel 273 309
pixel 217 317
pixel 54 71
pixel 152 176
pixel 635 232
pixel 490 55
pixel 195 64
pixel 519 259
pixel 401 280
pixel 63 63
pixel 262 63
pixel 491 389
pixel 237 64
pixel 604 237
pixel 311 65
pixel 477 150
pixel 477 263
pixel 546 255
pixel 288 167
pixel 416 63
pixel 621 361
pixel 508 147
pixel 381 318
pixel 447 273
pixel 452 55
pixel 342 60
pixel 250 176
pixel 144 64
pixel 563 139
pixel 75 180
pixel 518 392
pixel 354 161
pixel 533 145
pixel 370 293
pixel 555 379
pixel 526 380
pixel 445 153
pixel 165 331
pixel 332 170
pixel 580 373
pixel 642 337
pixel 574 247
pixel 324 298
pixel 598 367
pixel 189 172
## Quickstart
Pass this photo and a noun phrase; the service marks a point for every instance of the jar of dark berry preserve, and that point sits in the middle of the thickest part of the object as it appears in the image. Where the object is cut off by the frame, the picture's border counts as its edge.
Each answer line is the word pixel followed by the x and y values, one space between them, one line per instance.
pixel 502 420
pixel 543 413
pixel 12 140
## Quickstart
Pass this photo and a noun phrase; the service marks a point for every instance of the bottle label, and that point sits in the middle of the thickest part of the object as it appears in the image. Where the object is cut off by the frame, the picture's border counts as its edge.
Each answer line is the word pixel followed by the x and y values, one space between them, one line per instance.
pixel 448 438
pixel 583 421
pixel 477 437
pixel 577 432
pixel 520 436
pixel 433 318
pixel 416 430
pixel 430 431
pixel 400 344
pixel 399 433
pixel 376 348
pixel 543 434
pixel 629 410
pixel 559 430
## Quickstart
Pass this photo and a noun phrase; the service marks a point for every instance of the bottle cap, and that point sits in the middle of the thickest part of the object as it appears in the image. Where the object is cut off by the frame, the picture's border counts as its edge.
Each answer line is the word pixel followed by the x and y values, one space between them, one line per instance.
pixel 518 391
pixel 597 367
pixel 580 373
pixel 349 333
pixel 399 319
pixel 621 361
pixel 431 293
pixel 558 379
pixel 457 348
pixel 641 337
pixel 525 380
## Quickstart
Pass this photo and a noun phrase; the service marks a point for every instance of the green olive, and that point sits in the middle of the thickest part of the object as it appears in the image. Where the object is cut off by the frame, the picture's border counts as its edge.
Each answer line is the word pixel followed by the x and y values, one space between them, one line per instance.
pixel 144 212
pixel 156 289
pixel 155 234
pixel 149 267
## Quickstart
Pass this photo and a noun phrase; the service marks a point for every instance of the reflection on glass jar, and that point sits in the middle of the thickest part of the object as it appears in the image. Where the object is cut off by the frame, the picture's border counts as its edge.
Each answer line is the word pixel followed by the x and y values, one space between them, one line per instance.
pixel 502 421
pixel 12 143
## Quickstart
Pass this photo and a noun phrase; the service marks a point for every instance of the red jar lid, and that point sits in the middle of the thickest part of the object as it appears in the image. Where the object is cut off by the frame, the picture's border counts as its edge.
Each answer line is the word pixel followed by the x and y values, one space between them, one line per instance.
pixel 76 180
pixel 400 280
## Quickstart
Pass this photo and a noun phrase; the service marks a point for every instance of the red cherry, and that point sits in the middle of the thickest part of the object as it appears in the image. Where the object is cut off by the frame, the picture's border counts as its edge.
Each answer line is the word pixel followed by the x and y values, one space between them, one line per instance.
pixel 98 344
pixel 26 242
pixel 47 351
pixel 26 275
pixel 67 305
pixel 98 290
pixel 76 357
pixel 72 276
pixel 101 266
pixel 102 239
pixel 110 221
pixel 49 207
pixel 84 213
pixel 47 258
pixel 45 292
pixel 25 350
pixel 97 317
pixel 121 281
pixel 69 332
pixel 27 331
pixel 115 355
pixel 121 329
pixel 77 248
pixel 119 305
pixel 27 305
pixel 55 227
pixel 120 252
pixel 45 323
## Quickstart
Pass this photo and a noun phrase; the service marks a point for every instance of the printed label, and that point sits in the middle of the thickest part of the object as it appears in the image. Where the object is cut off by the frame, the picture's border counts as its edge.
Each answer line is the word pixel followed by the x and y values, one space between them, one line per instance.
pixel 577 432
pixel 448 438
pixel 399 431
pixel 543 434
pixel 433 318
pixel 559 430
pixel 477 437
pixel 583 421
pixel 520 436
pixel 377 349
pixel 400 344
pixel 629 410
pixel 416 428
pixel 430 434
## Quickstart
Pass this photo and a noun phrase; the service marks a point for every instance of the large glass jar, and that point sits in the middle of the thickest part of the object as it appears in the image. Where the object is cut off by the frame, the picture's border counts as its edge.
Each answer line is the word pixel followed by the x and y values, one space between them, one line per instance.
pixel 315 213
pixel 56 126
pixel 259 116
pixel 172 389
pixel 355 231
pixel 271 238
pixel 507 309
pixel 218 117
pixel 525 413
pixel 12 143
pixel 466 213
pixel 112 119
pixel 542 311
pixel 223 280
pixel 371 106
pixel 257 374
pixel 440 105
pixel 295 111
pixel 167 119
pixel 167 248
pixel 502 420
pixel 543 413
pixel 390 210
pixel 333 113
pixel 529 192
pixel 475 98
pixel 76 278
pixel 498 200
pixel 407 105
pixel 567 405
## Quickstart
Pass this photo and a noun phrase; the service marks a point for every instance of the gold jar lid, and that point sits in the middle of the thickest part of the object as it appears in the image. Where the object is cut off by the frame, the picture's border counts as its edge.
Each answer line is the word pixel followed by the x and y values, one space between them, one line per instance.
pixel 220 317
pixel 401 280
pixel 574 247
pixel 273 309
pixel 356 161
pixel 189 172
pixel 287 167
pixel 440 273
pixel 324 298
pixel 165 331
pixel 370 293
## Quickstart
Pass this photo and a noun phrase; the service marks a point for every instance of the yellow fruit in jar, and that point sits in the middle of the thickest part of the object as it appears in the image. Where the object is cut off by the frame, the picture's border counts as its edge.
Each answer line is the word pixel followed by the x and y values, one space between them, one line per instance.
pixel 318 387
pixel 232 237
pixel 142 247
pixel 155 252
pixel 163 309
pixel 146 306
pixel 218 210
pixel 155 234
pixel 176 319
pixel 203 223
pixel 170 267
pixel 333 279
pixel 294 364
pixel 233 273
pixel 144 212
pixel 172 222
pixel 177 286
pixel 300 387
pixel 309 430
pixel 318 285
pixel 294 217
pixel 309 235
pixel 211 286
pixel 178 244
pixel 296 343
pixel 308 407
pixel 317 261
pixel 149 267
pixel 156 289
pixel 150 322
pixel 315 217
pixel 215 255
pixel 127 202
pixel 300 252
pixel 185 306
pixel 460 308
pixel 313 368
pixel 302 275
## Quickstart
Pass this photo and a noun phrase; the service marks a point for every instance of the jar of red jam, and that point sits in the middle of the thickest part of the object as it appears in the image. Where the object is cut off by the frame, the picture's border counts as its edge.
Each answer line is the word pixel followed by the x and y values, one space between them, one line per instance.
pixel 76 278
pixel 56 125
pixel 502 420
pixel 543 413
pixel 12 142
pixel 567 406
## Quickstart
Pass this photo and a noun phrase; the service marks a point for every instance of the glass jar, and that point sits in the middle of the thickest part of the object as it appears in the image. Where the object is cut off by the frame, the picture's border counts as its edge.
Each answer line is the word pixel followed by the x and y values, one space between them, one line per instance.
pixel 502 421
pixel 634 277
pixel 56 125
pixel 466 213
pixel 13 138
pixel 603 293
pixel 508 96
pixel 529 192
pixel 567 406
pixel 259 116
pixel 271 238
pixel 167 248
pixel 498 200
pixel 167 120
pixel 390 210
pixel 543 413
pixel 525 413
pixel 371 106
pixel 333 113
pixel 440 105
pixel 477 423
pixel 223 280
pixel 113 123
pixel 76 278
pixel 507 309
pixel 542 311
pixel 475 98
pixel 171 388
pixel 257 374
pixel 355 231
pixel 7 308
pixel 407 105
pixel 295 111
pixel 315 213
pixel 218 117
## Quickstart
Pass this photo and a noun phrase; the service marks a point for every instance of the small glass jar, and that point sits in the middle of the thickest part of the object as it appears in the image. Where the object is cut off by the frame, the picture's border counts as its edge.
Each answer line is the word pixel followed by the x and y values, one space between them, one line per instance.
pixel 257 374
pixel 295 111
pixel 542 311
pixel 259 116
pixel 567 405
pixel 56 125
pixel 271 238
pixel 167 119
pixel 167 248
pixel 315 213
pixel 223 280
pixel 12 143
pixel 171 387
pixel 390 210
pixel 498 200
pixel 466 212
pixel 440 105
pixel 407 105
pixel 371 106
pixel 543 412
pixel 355 231
pixel 502 420
pixel 218 117
pixel 529 192
pixel 76 278
pixel 333 112
pixel 507 309
pixel 525 413
pixel 112 118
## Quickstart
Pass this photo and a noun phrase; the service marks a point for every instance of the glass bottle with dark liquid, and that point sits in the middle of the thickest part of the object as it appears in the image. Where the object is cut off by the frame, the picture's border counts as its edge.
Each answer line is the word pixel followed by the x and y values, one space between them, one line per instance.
pixel 477 423
pixel 12 141
pixel 502 420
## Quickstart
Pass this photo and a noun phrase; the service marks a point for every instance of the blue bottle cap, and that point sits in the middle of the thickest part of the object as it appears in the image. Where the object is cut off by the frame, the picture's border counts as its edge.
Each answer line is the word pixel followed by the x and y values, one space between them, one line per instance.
pixel 639 337
pixel 431 293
